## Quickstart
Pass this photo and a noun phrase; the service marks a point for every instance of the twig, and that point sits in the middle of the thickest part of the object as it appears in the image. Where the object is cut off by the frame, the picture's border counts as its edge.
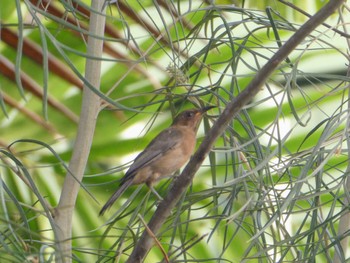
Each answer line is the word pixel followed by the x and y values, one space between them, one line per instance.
pixel 344 220
pixel 343 34
pixel 149 231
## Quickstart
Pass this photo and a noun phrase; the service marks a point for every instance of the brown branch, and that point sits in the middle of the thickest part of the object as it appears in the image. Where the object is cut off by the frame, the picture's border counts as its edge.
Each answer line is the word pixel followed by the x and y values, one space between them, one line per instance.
pixel 181 184
pixel 29 113
pixel 7 68
pixel 35 53
pixel 166 258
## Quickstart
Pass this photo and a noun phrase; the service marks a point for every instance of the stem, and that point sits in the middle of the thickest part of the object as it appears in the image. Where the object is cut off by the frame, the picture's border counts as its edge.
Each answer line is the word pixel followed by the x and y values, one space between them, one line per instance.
pixel 344 220
pixel 145 243
pixel 86 128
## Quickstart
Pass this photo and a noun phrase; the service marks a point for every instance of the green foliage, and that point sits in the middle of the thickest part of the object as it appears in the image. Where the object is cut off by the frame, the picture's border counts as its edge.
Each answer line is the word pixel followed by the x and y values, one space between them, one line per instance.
pixel 273 189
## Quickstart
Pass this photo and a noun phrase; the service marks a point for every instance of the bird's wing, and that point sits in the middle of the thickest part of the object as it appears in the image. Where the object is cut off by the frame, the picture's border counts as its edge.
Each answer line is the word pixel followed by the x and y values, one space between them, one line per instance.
pixel 162 143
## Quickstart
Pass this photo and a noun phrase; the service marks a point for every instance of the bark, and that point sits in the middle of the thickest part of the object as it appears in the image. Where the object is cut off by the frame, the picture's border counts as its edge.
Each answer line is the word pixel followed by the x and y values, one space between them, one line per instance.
pixel 87 123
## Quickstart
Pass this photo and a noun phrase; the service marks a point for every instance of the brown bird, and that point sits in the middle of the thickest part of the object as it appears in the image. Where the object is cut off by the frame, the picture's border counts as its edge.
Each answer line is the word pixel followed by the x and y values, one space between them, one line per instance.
pixel 164 155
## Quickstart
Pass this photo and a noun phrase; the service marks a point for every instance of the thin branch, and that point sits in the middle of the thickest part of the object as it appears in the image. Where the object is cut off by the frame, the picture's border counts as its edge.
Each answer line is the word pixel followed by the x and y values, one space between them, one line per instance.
pixel 341 33
pixel 181 184
pixel 166 258
pixel 344 221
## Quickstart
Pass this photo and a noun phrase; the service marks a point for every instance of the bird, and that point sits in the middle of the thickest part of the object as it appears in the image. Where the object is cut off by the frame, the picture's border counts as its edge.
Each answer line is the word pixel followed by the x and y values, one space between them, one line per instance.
pixel 164 155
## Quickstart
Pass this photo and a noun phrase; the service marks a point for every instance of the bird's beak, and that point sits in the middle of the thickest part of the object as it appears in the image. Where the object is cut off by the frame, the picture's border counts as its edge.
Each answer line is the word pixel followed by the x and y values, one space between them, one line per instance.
pixel 205 109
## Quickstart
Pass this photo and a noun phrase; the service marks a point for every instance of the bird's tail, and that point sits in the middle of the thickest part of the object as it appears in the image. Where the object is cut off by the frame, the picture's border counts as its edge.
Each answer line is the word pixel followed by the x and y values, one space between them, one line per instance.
pixel 115 196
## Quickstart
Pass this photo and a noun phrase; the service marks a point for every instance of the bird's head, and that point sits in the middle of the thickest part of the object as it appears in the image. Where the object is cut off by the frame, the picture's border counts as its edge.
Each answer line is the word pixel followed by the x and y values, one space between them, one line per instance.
pixel 191 118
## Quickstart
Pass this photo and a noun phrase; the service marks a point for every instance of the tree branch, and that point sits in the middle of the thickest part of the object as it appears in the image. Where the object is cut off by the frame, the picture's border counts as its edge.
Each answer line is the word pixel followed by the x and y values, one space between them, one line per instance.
pixel 183 181
pixel 86 128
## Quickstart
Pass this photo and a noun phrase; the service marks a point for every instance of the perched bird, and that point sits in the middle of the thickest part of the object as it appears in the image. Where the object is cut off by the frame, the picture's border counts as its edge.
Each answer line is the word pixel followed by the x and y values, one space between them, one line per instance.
pixel 164 155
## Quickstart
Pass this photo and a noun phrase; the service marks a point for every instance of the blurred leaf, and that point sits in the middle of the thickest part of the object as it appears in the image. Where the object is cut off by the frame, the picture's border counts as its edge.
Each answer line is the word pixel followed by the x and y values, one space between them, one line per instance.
pixel 272 189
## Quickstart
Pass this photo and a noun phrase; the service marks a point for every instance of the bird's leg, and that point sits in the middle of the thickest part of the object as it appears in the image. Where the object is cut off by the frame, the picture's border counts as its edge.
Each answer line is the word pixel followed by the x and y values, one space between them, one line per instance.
pixel 155 193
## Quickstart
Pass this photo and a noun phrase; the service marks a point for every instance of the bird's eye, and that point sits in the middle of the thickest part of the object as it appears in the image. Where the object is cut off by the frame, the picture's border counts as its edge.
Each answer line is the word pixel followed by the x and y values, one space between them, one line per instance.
pixel 190 114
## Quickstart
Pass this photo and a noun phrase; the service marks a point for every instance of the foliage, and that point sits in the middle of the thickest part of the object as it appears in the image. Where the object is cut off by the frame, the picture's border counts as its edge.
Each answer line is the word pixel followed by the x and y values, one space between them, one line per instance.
pixel 274 188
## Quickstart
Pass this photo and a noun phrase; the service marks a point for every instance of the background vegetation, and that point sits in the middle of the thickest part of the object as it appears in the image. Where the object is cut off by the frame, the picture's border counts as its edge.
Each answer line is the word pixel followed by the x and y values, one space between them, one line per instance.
pixel 275 186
